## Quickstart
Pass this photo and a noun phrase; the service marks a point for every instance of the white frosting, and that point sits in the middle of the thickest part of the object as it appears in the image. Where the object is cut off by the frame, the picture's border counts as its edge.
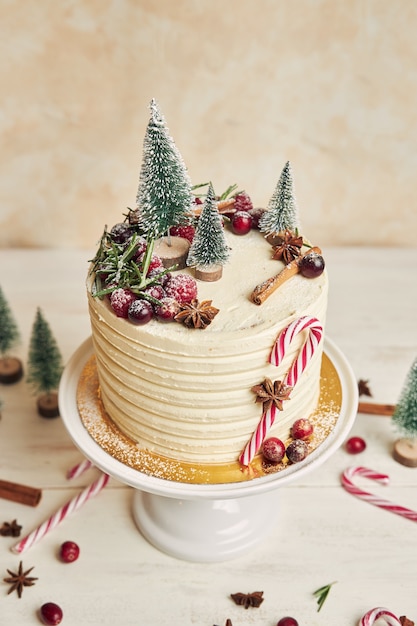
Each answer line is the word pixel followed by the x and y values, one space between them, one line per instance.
pixel 186 393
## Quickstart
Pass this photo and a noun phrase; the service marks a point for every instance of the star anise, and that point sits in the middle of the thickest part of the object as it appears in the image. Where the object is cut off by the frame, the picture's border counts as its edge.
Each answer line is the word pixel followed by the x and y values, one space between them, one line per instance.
pixel 287 247
pixel 363 388
pixel 405 621
pixel 254 599
pixel 196 314
pixel 20 579
pixel 271 393
pixel 10 529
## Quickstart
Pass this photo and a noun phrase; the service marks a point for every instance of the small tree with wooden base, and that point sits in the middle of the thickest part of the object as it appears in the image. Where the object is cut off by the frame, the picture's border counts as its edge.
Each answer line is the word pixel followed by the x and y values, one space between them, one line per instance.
pixel 44 366
pixel 405 419
pixel 282 208
pixel 11 370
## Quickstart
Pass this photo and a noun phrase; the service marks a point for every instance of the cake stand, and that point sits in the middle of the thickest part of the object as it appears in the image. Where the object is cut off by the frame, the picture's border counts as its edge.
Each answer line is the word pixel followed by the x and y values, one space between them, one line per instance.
pixel 204 522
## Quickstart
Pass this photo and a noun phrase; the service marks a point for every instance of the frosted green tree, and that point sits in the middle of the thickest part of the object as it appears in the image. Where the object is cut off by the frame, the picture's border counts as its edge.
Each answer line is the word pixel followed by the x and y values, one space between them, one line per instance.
pixel 209 246
pixel 164 195
pixel 9 333
pixel 45 361
pixel 405 414
pixel 282 211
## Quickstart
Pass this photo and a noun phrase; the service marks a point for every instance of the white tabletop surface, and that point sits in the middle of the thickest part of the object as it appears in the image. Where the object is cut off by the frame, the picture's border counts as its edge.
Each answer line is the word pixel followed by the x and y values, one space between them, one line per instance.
pixel 323 533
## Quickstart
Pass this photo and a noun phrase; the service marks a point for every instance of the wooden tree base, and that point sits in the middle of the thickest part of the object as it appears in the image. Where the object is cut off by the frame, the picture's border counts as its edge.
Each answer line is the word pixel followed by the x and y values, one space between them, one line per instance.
pixel 47 405
pixel 173 251
pixel 405 452
pixel 11 370
pixel 208 274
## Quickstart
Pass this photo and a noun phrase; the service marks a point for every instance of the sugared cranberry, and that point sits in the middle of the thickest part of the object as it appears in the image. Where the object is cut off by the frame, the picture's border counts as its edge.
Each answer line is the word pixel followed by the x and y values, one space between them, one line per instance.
pixel 155 291
pixel 167 310
pixel 156 263
pixel 311 265
pixel 182 287
pixel 273 449
pixel 297 451
pixel 120 301
pixel 256 215
pixel 51 614
pixel 141 246
pixel 120 233
pixel 69 551
pixel 186 232
pixel 355 445
pixel 140 312
pixel 287 621
pixel 302 429
pixel 163 279
pixel 241 223
pixel 243 202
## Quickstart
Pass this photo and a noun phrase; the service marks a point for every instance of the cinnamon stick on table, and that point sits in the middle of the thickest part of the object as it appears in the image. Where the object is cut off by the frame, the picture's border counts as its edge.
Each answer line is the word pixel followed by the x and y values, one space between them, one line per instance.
pixel 372 408
pixel 20 493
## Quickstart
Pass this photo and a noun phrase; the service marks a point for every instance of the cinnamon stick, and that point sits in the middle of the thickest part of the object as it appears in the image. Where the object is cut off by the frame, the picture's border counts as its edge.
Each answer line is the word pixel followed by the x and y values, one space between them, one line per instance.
pixel 372 408
pixel 265 289
pixel 20 493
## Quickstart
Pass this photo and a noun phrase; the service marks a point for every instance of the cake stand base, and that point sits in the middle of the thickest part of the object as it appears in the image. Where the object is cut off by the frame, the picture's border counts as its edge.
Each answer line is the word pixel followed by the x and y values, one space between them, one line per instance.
pixel 205 531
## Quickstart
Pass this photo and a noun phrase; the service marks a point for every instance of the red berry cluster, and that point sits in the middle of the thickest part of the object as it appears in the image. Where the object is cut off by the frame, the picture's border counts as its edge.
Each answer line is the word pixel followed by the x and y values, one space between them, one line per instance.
pixel 274 450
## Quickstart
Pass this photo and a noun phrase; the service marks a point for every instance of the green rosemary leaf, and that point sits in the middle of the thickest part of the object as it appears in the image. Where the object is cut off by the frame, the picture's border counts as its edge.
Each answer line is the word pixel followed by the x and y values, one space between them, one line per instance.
pixel 321 594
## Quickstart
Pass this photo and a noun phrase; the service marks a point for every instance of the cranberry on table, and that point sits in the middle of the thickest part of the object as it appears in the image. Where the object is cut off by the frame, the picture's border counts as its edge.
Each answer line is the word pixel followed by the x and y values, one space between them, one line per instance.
pixel 311 265
pixel 51 614
pixel 241 223
pixel 273 449
pixel 287 621
pixel 69 551
pixel 355 445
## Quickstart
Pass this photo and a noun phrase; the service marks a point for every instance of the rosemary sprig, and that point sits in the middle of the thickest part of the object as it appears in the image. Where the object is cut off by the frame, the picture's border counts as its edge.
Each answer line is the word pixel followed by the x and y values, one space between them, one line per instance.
pixel 321 594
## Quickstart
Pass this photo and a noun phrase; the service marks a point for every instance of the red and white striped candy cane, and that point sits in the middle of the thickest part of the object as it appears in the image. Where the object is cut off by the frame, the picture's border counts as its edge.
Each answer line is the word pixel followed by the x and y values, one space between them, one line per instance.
pixel 371 616
pixel 285 338
pixel 279 349
pixel 383 479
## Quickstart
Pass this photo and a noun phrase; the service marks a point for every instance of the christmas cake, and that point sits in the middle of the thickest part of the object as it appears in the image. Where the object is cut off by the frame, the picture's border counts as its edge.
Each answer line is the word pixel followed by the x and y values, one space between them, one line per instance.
pixel 207 318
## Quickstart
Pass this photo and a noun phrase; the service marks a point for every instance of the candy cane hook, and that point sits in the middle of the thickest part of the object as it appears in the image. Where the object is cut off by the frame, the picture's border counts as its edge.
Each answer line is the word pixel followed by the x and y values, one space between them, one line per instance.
pixel 371 616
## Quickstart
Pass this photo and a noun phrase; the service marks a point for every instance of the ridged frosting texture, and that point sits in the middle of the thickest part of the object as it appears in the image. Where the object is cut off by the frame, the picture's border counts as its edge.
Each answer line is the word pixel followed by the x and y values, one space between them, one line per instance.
pixel 186 393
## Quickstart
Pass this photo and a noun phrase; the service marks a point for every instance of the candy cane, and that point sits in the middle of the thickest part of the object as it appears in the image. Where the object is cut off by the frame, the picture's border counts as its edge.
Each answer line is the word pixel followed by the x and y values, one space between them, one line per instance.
pixel 284 340
pixel 70 507
pixel 383 479
pixel 371 616
pixel 79 469
pixel 278 352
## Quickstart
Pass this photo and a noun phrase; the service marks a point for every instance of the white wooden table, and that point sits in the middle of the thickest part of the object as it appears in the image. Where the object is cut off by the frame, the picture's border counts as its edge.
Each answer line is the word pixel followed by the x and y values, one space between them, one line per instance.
pixel 324 534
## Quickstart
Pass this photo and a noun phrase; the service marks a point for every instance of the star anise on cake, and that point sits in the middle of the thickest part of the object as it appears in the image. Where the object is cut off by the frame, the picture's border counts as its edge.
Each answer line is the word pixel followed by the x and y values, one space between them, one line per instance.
pixel 287 247
pixel 271 393
pixel 254 599
pixel 10 529
pixel 20 579
pixel 196 314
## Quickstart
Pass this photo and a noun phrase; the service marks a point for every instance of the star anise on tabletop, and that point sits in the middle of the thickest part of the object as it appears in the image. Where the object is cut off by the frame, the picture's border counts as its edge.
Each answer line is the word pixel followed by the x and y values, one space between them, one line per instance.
pixel 196 314
pixel 363 388
pixel 20 579
pixel 287 247
pixel 10 529
pixel 271 393
pixel 405 621
pixel 253 599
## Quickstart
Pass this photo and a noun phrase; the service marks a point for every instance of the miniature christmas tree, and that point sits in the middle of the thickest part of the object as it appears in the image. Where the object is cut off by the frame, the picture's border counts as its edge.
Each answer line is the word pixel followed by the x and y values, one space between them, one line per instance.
pixel 44 366
pixel 164 195
pixel 209 250
pixel 405 419
pixel 282 209
pixel 11 369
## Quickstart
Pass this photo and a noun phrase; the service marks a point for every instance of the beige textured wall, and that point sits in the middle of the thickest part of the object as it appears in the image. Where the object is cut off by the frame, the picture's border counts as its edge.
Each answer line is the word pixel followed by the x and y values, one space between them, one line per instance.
pixel 330 85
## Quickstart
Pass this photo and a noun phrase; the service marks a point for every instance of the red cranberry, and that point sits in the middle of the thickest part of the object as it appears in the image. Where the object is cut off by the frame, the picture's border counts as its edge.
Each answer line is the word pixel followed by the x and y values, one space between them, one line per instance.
pixel 121 232
pixel 51 614
pixel 302 429
pixel 241 223
pixel 256 215
pixel 155 291
pixel 355 445
pixel 69 551
pixel 287 621
pixel 273 449
pixel 297 451
pixel 167 310
pixel 120 300
pixel 311 265
pixel 140 312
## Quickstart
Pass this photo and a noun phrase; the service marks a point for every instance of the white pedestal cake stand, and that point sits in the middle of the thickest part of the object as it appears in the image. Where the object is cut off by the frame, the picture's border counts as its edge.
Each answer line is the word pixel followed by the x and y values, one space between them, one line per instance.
pixel 204 522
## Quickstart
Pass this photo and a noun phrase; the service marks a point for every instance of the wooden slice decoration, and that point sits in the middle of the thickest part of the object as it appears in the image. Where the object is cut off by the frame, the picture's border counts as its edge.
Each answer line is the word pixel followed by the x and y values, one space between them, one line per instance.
pixel 405 452
pixel 47 405
pixel 173 251
pixel 11 370
pixel 208 273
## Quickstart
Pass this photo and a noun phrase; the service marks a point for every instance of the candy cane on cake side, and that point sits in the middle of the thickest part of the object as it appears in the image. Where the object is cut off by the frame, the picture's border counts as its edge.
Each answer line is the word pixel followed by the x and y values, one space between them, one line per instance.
pixel 284 339
pixel 383 479
pixel 371 616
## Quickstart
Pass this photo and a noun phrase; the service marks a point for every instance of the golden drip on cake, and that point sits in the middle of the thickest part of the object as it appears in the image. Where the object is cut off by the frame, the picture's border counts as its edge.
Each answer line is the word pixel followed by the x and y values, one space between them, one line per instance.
pixel 185 394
